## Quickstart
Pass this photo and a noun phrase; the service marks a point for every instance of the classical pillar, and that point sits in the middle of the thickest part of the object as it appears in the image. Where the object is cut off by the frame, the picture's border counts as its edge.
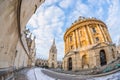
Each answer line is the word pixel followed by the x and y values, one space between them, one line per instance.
pixel 108 35
pixel 103 33
pixel 100 33
pixel 74 39
pixel 66 64
pixel 80 61
pixel 78 38
pixel 90 34
pixel 97 60
pixel 67 43
pixel 87 35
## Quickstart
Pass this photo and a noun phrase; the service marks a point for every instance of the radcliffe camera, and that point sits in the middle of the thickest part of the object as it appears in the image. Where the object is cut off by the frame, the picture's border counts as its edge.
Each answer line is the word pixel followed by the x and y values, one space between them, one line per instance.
pixel 59 40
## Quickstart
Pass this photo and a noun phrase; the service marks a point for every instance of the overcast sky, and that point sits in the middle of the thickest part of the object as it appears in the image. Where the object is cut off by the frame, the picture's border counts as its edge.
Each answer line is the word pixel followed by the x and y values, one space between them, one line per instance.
pixel 54 16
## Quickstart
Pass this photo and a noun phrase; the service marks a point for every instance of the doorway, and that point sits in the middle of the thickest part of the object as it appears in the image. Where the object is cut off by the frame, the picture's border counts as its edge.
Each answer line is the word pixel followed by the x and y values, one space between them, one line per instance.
pixel 70 63
pixel 102 58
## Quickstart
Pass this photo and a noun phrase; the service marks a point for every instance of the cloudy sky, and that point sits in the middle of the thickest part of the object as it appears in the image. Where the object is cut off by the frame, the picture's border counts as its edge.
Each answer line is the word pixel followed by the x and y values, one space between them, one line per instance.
pixel 54 16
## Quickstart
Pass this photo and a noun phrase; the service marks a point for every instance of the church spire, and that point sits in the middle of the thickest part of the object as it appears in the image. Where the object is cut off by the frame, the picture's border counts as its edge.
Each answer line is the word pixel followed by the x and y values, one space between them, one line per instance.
pixel 53 47
pixel 54 41
pixel 52 61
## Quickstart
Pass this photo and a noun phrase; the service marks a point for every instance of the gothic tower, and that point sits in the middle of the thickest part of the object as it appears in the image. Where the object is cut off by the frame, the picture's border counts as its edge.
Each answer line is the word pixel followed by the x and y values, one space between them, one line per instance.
pixel 52 61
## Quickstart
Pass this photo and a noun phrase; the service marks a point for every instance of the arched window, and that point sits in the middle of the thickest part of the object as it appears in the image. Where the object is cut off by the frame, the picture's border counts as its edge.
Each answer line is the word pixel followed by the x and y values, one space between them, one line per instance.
pixel 94 30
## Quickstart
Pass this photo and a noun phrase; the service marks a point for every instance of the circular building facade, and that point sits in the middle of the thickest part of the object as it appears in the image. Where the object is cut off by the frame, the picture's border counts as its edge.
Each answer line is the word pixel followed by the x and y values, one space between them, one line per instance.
pixel 87 45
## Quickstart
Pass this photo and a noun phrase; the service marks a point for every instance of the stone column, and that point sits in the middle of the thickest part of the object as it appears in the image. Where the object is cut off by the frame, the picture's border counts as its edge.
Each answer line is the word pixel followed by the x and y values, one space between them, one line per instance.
pixel 100 32
pixel 66 64
pixel 74 39
pixel 78 39
pixel 67 43
pixel 107 33
pixel 73 63
pixel 97 60
pixel 87 36
pixel 103 33
pixel 90 34
pixel 80 61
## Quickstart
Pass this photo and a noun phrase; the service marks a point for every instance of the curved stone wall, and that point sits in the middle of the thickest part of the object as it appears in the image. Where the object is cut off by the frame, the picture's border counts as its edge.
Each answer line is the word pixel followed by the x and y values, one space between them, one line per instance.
pixel 88 45
pixel 85 33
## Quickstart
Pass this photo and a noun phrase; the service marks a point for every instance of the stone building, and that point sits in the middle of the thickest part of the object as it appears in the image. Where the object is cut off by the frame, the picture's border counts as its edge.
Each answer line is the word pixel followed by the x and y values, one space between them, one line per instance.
pixel 31 46
pixel 118 47
pixel 52 60
pixel 59 64
pixel 44 63
pixel 21 58
pixel 14 51
pixel 41 62
pixel 88 45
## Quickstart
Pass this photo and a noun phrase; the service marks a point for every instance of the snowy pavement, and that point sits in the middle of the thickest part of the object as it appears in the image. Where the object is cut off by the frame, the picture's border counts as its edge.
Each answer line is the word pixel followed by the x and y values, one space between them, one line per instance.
pixel 115 76
pixel 43 74
pixel 36 74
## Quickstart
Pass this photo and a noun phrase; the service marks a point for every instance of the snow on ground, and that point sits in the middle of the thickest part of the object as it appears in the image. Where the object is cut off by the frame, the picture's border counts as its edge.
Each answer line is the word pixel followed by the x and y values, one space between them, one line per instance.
pixel 36 74
pixel 115 76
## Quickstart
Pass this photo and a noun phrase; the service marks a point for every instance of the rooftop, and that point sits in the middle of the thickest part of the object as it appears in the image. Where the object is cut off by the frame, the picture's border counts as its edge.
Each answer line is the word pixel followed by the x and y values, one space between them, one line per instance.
pixel 81 18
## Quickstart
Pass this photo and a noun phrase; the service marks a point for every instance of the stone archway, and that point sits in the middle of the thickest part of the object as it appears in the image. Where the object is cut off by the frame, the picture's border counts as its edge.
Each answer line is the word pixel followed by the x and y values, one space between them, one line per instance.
pixel 103 60
pixel 70 63
pixel 84 62
pixel 52 65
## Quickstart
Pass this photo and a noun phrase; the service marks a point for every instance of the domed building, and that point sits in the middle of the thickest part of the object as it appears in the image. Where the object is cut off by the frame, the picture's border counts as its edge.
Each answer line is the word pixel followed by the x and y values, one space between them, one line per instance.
pixel 88 45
